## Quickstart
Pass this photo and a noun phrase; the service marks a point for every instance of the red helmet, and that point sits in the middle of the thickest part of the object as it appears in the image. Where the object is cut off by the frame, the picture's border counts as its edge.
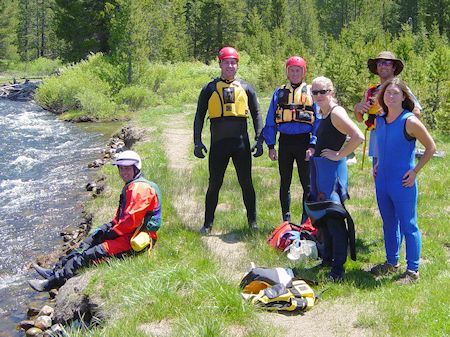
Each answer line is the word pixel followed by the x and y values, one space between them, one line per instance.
pixel 296 61
pixel 228 53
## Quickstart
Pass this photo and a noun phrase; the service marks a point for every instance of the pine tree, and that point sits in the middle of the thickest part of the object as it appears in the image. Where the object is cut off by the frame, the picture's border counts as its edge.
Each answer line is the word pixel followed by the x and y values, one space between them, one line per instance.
pixel 8 36
pixel 82 24
pixel 435 11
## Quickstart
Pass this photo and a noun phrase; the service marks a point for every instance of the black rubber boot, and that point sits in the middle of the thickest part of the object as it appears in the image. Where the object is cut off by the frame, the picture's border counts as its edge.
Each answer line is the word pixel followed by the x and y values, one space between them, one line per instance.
pixel 42 285
pixel 44 272
pixel 252 224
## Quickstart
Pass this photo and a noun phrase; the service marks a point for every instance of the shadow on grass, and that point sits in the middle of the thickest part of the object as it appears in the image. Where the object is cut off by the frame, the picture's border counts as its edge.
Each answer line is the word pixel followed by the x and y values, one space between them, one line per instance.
pixel 357 278
pixel 315 275
pixel 242 234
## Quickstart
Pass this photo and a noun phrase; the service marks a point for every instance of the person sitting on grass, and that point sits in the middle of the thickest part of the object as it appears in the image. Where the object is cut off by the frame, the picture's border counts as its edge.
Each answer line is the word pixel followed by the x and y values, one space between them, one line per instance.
pixel 139 207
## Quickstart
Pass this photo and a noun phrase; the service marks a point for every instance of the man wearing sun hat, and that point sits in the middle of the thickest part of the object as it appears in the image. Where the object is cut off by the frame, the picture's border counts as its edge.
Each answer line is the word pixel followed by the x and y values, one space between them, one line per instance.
pixel 139 208
pixel 386 65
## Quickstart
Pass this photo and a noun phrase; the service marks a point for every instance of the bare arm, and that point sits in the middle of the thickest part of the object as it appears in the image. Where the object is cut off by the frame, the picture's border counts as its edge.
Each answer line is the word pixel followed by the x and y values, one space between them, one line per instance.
pixel 416 129
pixel 342 122
pixel 361 108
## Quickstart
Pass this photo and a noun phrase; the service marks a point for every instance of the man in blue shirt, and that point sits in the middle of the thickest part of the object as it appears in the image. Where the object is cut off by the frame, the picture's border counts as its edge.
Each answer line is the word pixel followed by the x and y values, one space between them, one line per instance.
pixel 293 114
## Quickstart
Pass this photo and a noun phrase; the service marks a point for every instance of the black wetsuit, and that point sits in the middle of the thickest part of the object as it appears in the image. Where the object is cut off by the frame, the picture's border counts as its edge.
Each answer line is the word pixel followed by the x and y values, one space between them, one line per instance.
pixel 294 140
pixel 229 139
pixel 333 228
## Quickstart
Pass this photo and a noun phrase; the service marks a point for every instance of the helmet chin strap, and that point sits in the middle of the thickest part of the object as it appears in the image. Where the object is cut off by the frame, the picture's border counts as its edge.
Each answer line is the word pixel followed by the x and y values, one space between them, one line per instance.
pixel 137 172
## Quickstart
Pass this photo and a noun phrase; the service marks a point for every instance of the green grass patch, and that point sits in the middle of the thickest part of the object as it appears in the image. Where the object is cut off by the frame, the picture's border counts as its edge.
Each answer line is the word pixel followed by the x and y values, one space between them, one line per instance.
pixel 181 283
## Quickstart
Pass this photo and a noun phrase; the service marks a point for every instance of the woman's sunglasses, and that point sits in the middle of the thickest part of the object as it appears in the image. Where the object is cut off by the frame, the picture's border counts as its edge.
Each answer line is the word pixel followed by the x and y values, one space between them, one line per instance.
pixel 322 92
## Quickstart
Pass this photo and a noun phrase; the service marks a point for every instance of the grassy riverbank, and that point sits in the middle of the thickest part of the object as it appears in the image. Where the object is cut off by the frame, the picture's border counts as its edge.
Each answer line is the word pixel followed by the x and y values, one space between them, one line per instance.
pixel 183 289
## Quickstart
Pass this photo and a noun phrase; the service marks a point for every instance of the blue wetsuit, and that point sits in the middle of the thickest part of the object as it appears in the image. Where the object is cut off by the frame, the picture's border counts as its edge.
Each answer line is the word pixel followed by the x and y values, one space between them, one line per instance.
pixel 373 133
pixel 397 204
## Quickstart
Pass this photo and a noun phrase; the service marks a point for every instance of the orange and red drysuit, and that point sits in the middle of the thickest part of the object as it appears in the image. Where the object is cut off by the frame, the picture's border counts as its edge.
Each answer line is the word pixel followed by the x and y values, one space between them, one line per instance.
pixel 139 199
pixel 140 204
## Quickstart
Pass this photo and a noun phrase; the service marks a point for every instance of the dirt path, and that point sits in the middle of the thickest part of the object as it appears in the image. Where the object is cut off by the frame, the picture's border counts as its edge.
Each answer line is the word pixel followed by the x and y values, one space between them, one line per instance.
pixel 327 319
pixel 227 248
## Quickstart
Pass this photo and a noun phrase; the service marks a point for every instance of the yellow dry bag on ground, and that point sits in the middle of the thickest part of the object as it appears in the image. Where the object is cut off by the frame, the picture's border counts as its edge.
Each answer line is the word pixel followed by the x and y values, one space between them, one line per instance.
pixel 277 289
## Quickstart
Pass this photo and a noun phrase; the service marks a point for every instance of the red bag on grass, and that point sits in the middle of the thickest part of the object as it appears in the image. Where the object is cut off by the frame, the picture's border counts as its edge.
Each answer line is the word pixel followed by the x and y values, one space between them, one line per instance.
pixel 279 238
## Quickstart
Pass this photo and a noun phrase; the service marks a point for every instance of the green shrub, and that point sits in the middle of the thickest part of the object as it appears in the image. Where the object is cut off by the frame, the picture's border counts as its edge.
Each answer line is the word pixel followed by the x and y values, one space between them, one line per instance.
pixel 179 83
pixel 137 97
pixel 96 104
pixel 102 67
pixel 152 75
pixel 3 64
pixel 78 87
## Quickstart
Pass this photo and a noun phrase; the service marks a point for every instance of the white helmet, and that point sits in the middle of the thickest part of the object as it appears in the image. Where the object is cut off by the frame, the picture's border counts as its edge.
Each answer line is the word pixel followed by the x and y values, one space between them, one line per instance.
pixel 128 158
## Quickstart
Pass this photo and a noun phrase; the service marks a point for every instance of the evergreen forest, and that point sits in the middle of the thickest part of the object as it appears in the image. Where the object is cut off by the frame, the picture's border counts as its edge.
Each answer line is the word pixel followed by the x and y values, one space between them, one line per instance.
pixel 130 39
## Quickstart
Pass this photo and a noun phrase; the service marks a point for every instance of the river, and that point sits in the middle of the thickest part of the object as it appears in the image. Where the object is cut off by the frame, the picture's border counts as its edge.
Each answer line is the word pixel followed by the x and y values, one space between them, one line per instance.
pixel 43 171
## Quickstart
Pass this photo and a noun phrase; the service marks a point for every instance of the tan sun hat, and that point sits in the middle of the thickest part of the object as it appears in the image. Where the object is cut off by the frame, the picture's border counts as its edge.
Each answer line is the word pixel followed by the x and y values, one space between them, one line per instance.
pixel 385 55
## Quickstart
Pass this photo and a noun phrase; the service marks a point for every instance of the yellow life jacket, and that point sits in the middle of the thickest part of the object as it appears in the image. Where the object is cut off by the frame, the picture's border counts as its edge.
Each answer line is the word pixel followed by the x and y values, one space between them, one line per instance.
pixel 228 99
pixel 294 105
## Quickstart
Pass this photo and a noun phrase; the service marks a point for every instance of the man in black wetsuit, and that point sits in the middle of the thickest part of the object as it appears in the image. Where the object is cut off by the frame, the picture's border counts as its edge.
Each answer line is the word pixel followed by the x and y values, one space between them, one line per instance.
pixel 228 102
pixel 293 114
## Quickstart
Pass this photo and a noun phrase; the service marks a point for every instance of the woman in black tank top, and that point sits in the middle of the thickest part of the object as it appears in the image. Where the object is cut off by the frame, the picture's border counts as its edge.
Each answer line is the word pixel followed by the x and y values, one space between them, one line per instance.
pixel 335 125
pixel 333 129
pixel 328 137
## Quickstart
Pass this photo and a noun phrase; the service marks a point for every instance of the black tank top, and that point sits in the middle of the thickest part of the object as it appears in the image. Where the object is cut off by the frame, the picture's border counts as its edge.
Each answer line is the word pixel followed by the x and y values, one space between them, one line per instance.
pixel 328 137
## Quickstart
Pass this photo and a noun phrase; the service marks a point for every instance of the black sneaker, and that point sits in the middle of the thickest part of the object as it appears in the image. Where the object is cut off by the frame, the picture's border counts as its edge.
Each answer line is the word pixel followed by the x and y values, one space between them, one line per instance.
pixel 253 226
pixel 205 230
pixel 333 277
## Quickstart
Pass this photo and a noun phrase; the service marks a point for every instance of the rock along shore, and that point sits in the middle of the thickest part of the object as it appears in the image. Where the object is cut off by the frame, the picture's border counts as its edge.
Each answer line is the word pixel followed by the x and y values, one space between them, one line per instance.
pixel 19 91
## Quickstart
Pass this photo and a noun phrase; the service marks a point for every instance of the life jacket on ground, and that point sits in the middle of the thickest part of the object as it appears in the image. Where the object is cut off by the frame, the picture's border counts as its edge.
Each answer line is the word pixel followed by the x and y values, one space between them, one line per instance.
pixel 229 99
pixel 260 278
pixel 327 195
pixel 294 105
pixel 277 289
pixel 280 238
pixel 371 98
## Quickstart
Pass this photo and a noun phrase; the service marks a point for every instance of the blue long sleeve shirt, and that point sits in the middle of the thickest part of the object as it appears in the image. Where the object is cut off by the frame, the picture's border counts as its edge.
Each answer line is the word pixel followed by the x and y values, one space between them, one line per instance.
pixel 292 128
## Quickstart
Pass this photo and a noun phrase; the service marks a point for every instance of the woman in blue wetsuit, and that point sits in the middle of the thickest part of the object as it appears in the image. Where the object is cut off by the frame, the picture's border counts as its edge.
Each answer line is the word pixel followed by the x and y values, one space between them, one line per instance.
pixel 395 177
